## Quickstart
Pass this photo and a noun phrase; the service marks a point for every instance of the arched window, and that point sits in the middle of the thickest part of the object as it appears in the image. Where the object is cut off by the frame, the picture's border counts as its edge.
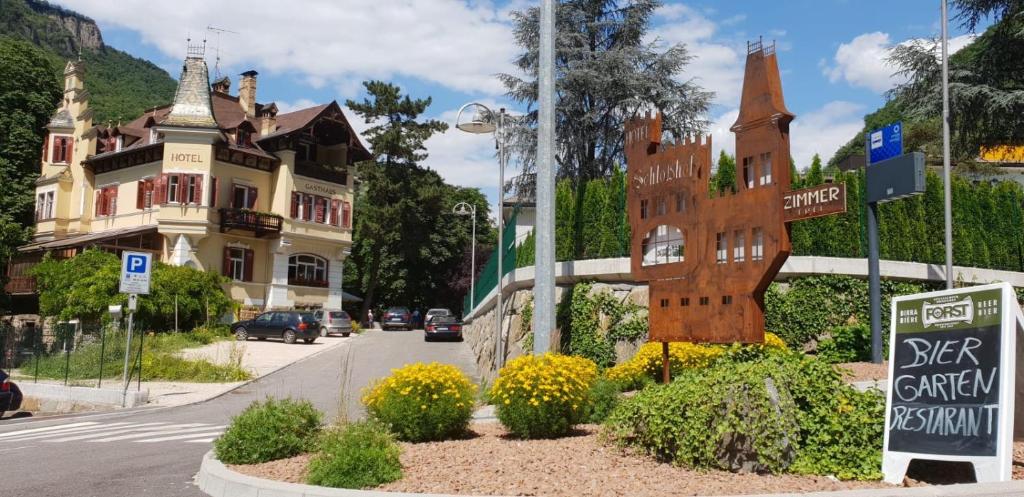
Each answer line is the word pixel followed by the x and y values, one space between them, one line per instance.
pixel 663 245
pixel 307 270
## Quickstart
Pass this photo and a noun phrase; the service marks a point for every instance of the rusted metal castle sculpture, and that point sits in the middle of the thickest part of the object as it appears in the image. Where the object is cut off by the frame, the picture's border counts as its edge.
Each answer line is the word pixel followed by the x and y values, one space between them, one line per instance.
pixel 709 259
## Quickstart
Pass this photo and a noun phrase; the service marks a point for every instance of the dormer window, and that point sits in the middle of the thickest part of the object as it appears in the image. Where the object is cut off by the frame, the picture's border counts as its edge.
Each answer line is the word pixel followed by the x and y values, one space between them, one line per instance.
pixel 61 151
pixel 242 138
pixel 153 135
pixel 119 143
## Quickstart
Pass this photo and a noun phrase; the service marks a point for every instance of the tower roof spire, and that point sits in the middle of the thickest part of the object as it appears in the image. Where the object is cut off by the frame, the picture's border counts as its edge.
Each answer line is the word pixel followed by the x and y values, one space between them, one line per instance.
pixel 192 106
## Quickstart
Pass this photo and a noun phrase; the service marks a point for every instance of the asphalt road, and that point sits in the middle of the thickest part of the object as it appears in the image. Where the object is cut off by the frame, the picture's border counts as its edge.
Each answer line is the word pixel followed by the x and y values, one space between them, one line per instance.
pixel 156 452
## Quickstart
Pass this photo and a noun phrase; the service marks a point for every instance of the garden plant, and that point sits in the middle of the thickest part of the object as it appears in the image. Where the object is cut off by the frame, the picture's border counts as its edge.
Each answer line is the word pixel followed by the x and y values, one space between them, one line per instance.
pixel 356 455
pixel 543 396
pixel 269 430
pixel 423 402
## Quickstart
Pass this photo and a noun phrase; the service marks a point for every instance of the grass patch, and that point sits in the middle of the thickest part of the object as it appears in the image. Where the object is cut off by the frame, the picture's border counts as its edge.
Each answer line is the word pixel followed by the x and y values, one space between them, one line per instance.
pixel 269 430
pixel 160 359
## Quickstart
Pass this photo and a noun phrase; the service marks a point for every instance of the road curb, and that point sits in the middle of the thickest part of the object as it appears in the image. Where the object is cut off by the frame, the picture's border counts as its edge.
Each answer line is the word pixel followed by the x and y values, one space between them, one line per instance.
pixel 216 480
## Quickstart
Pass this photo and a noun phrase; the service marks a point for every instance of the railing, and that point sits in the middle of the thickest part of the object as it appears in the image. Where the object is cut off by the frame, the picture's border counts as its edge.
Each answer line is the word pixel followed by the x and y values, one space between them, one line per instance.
pixel 260 223
pixel 333 174
pixel 20 285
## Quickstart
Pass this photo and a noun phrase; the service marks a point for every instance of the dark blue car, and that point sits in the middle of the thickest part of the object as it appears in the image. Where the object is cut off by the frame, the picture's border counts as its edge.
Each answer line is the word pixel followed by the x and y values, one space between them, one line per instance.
pixel 10 394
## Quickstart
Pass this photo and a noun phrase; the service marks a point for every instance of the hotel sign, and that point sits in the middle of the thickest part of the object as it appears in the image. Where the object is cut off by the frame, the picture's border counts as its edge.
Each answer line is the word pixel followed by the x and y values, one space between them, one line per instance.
pixel 321 189
pixel 816 201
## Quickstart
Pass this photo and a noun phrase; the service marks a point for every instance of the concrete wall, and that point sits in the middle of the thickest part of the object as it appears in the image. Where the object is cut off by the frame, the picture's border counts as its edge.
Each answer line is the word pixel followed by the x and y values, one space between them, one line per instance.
pixel 614 275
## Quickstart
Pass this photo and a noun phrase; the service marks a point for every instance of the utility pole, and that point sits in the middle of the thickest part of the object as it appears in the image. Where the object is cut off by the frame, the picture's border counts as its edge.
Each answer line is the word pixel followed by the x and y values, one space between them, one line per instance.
pixel 948 189
pixel 544 271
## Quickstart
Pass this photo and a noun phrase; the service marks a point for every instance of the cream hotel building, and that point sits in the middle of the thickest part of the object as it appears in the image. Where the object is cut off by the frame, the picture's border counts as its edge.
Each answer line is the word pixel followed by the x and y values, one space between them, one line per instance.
pixel 213 180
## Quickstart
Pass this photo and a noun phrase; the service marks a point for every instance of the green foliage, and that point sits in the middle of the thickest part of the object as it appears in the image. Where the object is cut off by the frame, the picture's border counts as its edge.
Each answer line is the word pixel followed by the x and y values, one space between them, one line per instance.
pixel 846 344
pixel 606 73
pixel 357 455
pixel 604 397
pixel 269 430
pixel 815 176
pixel 423 402
pixel 83 286
pixel 725 176
pixel 409 249
pixel 813 423
pixel 122 87
pixel 813 305
pixel 597 320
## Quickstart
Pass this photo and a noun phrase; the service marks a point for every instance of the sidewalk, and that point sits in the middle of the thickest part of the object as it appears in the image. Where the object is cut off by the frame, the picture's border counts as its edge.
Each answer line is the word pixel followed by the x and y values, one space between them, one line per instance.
pixel 260 358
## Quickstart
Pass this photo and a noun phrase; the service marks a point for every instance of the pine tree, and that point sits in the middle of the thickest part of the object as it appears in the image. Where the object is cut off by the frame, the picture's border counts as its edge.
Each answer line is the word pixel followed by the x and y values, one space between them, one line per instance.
pixel 725 176
pixel 606 73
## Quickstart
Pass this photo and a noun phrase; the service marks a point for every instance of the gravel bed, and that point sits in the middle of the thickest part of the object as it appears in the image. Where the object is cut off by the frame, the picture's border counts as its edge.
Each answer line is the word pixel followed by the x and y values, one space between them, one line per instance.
pixel 490 463
pixel 864 371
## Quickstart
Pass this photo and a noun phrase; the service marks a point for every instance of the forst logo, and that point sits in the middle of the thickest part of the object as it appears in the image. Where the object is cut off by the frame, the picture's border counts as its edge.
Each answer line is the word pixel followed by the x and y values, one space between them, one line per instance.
pixel 948 313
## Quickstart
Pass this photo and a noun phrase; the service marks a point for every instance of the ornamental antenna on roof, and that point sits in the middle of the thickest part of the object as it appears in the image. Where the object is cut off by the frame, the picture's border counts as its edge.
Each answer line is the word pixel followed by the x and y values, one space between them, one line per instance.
pixel 216 48
pixel 195 51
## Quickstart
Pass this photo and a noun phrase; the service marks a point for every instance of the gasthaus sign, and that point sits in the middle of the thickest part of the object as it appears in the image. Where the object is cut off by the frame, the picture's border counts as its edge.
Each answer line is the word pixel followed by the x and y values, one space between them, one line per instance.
pixel 951 390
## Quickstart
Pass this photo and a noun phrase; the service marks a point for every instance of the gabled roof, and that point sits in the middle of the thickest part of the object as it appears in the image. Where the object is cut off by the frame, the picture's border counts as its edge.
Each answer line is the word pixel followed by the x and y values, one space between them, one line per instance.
pixel 300 119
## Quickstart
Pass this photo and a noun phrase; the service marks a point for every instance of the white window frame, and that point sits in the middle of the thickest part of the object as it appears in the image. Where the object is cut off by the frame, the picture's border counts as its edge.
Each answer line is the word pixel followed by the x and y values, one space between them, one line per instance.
pixel 190 189
pixel 153 135
pixel 722 248
pixel 739 247
pixel 237 263
pixel 765 174
pixel 662 246
pixel 45 204
pixel 172 189
pixel 311 267
pixel 757 245
pixel 119 143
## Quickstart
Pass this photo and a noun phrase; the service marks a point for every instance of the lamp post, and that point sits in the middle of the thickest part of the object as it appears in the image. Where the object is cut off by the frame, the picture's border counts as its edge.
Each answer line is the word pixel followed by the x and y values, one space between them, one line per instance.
pixel 482 122
pixel 467 209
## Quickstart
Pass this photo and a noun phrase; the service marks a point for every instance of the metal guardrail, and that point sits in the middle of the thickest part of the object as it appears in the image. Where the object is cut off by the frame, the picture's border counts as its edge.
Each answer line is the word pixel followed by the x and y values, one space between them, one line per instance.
pixel 261 223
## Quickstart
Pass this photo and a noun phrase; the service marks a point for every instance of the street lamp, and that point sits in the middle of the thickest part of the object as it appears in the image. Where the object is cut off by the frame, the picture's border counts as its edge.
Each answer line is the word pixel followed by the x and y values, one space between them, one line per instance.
pixel 467 209
pixel 482 122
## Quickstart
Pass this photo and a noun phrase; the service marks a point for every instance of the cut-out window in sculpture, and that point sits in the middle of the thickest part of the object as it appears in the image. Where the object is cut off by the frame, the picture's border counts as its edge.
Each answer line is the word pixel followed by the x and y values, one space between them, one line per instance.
pixel 663 245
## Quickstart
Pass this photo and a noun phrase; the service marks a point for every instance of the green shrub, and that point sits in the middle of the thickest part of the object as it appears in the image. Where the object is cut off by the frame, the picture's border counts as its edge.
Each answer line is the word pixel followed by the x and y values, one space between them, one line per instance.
pixel 805 420
pixel 357 455
pixel 543 396
pixel 269 430
pixel 846 344
pixel 604 396
pixel 422 402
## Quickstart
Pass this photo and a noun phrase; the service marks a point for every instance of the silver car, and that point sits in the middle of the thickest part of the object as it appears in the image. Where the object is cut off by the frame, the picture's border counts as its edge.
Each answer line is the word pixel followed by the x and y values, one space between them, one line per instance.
pixel 333 322
pixel 436 312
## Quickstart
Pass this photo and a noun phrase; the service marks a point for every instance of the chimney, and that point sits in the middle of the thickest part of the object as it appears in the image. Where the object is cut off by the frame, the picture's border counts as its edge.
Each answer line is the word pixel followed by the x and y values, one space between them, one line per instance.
pixel 247 93
pixel 268 123
pixel 222 85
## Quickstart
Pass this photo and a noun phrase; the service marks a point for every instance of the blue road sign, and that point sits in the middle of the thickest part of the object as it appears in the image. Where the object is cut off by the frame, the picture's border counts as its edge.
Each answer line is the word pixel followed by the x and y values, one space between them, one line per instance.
pixel 136 264
pixel 885 143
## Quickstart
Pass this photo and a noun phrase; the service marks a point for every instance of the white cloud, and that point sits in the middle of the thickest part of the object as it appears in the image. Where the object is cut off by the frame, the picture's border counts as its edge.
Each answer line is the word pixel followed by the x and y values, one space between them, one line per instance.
pixel 458 44
pixel 820 131
pixel 823 130
pixel 862 62
pixel 284 107
pixel 717 66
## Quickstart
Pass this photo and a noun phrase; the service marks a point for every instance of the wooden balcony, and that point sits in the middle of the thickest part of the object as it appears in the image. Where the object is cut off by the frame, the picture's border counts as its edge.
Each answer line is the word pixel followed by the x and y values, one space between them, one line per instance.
pixel 260 223
pixel 20 285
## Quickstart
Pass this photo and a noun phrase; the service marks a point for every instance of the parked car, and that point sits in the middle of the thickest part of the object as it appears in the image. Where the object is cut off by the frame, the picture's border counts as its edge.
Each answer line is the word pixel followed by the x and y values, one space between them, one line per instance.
pixel 333 322
pixel 443 326
pixel 436 312
pixel 10 394
pixel 396 317
pixel 286 325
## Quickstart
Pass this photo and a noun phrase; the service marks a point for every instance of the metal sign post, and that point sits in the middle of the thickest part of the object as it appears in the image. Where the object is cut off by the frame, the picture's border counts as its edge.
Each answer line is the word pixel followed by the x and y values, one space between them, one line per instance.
pixel 136 269
pixel 889 175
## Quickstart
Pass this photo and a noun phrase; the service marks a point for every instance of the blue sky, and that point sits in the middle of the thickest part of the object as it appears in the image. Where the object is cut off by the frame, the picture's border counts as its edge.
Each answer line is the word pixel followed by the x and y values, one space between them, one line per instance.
pixel 831 54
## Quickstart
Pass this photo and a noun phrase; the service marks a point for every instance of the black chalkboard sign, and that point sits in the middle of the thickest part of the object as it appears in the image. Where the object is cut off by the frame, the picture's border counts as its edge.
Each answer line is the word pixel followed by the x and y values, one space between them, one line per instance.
pixel 952 374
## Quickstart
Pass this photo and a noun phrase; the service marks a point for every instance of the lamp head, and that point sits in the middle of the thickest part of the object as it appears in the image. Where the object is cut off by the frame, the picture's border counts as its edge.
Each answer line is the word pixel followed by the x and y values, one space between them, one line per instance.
pixel 481 121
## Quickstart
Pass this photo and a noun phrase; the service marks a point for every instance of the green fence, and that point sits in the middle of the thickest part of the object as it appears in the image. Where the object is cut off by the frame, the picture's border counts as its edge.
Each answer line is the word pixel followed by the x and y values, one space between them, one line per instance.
pixel 489 274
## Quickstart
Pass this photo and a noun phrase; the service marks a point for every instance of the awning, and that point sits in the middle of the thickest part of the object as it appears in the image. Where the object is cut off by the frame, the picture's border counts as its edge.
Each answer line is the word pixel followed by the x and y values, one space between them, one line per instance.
pixel 87 238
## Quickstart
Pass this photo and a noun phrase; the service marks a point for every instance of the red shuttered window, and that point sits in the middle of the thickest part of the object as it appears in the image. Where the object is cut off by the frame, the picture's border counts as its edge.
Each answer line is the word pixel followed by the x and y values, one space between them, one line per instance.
pixel 346 215
pixel 145 193
pixel 106 201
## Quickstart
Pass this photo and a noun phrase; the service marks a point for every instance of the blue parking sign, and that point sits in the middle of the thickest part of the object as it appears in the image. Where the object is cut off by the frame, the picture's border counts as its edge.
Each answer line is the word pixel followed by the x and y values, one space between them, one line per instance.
pixel 885 143
pixel 135 272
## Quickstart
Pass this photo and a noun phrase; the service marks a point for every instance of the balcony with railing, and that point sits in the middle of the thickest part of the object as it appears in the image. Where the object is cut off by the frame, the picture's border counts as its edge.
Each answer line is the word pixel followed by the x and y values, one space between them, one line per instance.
pixel 20 285
pixel 260 223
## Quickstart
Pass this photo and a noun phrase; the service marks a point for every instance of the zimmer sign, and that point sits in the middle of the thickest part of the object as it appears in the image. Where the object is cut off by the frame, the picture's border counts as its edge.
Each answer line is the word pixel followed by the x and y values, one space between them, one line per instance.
pixel 816 201
pixel 952 361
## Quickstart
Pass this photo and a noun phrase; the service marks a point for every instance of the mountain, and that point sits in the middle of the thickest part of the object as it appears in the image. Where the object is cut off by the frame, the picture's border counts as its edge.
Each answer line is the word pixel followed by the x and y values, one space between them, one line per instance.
pixel 121 86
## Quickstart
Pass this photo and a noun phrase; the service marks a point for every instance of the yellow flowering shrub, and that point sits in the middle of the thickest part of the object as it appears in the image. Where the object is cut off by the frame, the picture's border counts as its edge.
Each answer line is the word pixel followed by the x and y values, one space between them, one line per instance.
pixel 421 402
pixel 646 364
pixel 543 396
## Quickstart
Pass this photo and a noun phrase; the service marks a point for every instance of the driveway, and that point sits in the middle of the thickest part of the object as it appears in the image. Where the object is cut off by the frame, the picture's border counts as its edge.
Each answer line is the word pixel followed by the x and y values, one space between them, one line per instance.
pixel 156 452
